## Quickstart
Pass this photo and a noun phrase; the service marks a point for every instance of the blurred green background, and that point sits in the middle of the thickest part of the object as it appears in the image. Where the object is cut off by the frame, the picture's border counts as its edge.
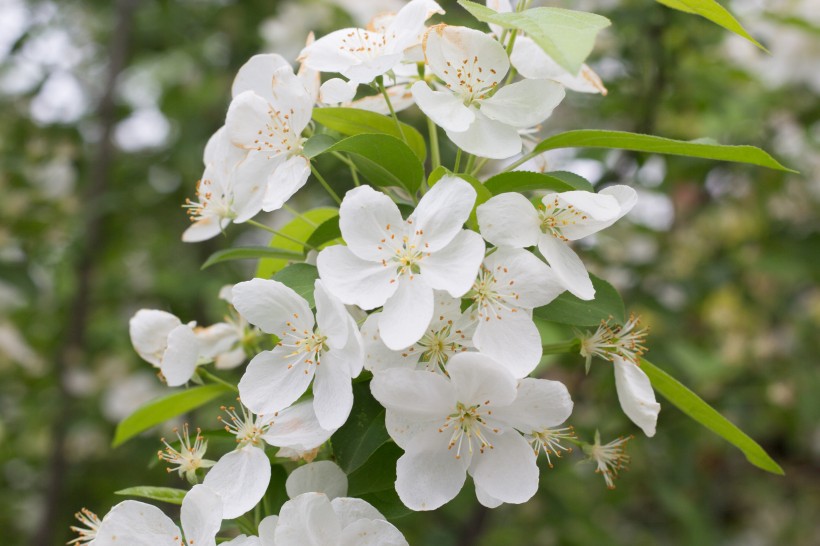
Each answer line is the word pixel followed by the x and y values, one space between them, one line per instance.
pixel 105 107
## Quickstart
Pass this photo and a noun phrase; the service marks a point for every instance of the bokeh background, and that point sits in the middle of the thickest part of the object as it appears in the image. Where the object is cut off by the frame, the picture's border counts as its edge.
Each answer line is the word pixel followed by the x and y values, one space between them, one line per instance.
pixel 105 106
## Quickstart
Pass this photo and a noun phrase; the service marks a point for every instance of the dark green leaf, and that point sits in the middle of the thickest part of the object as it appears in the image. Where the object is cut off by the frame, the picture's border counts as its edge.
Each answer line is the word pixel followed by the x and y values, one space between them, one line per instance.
pixel 521 181
pixel 693 406
pixel 378 473
pixel 162 494
pixel 588 138
pixel 574 180
pixel 353 121
pixel 160 410
pixel 251 253
pixel 567 309
pixel 714 12
pixel 363 433
pixel 388 503
pixel 326 232
pixel 301 278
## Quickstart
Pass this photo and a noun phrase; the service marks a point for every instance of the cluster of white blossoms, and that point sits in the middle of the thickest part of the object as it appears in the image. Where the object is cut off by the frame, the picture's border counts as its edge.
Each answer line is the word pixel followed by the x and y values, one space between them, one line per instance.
pixel 430 299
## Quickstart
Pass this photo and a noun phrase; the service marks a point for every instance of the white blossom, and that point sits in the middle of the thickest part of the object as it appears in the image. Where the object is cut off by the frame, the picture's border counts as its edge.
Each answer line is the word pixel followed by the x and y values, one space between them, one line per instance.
pixel 609 458
pixel 162 340
pixel 189 457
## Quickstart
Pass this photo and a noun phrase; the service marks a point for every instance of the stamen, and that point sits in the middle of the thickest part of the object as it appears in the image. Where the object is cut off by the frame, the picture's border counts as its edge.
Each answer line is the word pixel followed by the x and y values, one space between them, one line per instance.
pixel 549 440
pixel 626 341
pixel 609 458
pixel 247 428
pixel 92 525
pixel 189 457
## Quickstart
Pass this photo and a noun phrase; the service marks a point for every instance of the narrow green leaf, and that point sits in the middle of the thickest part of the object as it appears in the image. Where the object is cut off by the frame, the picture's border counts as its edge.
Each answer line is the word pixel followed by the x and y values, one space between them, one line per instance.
pixel 382 159
pixel 714 12
pixel 162 494
pixel 300 228
pixel 363 433
pixel 693 406
pixel 160 410
pixel 565 35
pixel 568 309
pixel 353 121
pixel 521 181
pixel 250 253
pixel 301 278
pixel 590 138
pixel 325 233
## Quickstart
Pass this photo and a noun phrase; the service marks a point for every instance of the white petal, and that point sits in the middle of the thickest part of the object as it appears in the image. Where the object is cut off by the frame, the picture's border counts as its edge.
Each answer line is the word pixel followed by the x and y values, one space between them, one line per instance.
pixel 230 359
pixel 371 533
pixel 201 516
pixel 371 223
pixel 524 103
pixel 540 404
pixel 247 115
pixel 441 213
pixel 149 330
pixel 288 178
pixel 509 219
pixel 400 98
pixel 478 378
pixel 418 394
pixel 350 509
pixel 446 109
pixel 486 499
pixel 180 358
pixel 405 427
pixel 408 24
pixel 220 153
pixel 332 392
pixel 636 395
pixel 274 380
pixel 137 524
pixel 297 428
pixel 455 266
pixel 332 317
pixel 429 475
pixel 446 47
pixel 271 305
pixel 379 356
pixel 406 313
pixel 508 471
pixel 336 91
pixel 512 340
pixel 533 62
pixel 567 266
pixel 204 229
pixel 243 540
pixel 216 339
pixel 319 477
pixel 524 280
pixel 488 138
pixel 241 478
pixel 307 520
pixel 257 75
pixel 353 280
pixel 267 530
pixel 594 211
pixel 625 195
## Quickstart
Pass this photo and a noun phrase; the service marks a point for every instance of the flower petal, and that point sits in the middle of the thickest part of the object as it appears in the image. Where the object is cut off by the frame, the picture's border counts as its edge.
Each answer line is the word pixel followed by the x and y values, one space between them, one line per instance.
pixel 180 358
pixel 149 330
pixel 332 317
pixel 567 266
pixel 524 103
pixel 257 75
pixel 593 211
pixel 468 60
pixel 485 499
pixel 371 223
pixel 509 219
pixel 332 392
pixel 271 306
pixel 478 378
pixel 350 509
pixel 201 516
pixel 446 109
pixel 204 229
pixel 297 428
pixel 455 266
pixel 533 62
pixel 367 532
pixel 407 313
pixel 636 395
pixel 488 138
pixel 379 356
pixel 240 478
pixel 540 404
pixel 288 178
pixel 137 524
pixel 512 340
pixel 522 278
pixel 319 477
pixel 267 530
pixel 337 91
pixel 507 472
pixel 419 395
pixel 353 280
pixel 274 380
pixel 441 213
pixel 307 520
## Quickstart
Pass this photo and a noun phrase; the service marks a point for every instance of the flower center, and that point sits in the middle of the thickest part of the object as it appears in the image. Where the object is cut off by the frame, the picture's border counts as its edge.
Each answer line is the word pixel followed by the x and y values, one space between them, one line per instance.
pixel 188 458
pixel 363 44
pixel 555 217
pixel 609 458
pixel 210 203
pixel 304 342
pixel 469 425
pixel 247 428
pixel 438 346
pixel 276 137
pixel 550 440
pixel 626 341
pixel 474 83
pixel 92 524
pixel 487 295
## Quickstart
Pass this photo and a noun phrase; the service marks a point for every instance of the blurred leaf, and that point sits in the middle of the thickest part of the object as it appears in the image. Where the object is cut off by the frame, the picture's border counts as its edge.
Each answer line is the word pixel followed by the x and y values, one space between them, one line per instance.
pixel 300 228
pixel 568 309
pixel 250 253
pixel 565 35
pixel 521 181
pixel 591 138
pixel 160 410
pixel 301 278
pixel 353 121
pixel 714 12
pixel 276 495
pixel 378 473
pixel 325 233
pixel 693 406
pixel 382 159
pixel 363 433
pixel 162 494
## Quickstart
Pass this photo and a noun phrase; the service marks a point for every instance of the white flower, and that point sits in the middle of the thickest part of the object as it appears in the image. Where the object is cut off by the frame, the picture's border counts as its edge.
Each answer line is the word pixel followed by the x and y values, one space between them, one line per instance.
pixel 479 116
pixel 327 347
pixel 135 523
pixel 361 55
pixel 319 477
pixel 511 220
pixel 230 190
pixel 161 339
pixel 511 283
pixel 397 263
pixel 450 332
pixel 189 457
pixel 271 107
pixel 471 422
pixel 608 458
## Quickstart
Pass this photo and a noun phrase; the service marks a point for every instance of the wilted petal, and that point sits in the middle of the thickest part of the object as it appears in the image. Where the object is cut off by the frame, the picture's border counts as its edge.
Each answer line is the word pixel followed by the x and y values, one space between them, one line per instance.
pixel 636 395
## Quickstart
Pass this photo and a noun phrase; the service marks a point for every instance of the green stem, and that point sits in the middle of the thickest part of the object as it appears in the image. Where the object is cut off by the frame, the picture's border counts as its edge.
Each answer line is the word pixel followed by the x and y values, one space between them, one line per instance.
pixel 523 159
pixel 324 183
pixel 568 346
pixel 470 162
pixel 383 90
pixel 211 377
pixel 457 161
pixel 280 234
pixel 510 45
pixel 480 165
pixel 435 152
pixel 354 172
pixel 299 215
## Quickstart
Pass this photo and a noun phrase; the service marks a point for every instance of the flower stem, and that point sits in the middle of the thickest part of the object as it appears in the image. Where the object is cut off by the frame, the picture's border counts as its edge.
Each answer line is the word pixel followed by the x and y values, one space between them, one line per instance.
pixel 568 346
pixel 280 234
pixel 480 165
pixel 470 162
pixel 354 172
pixel 299 215
pixel 383 90
pixel 435 153
pixel 458 161
pixel 214 379
pixel 324 183
pixel 523 159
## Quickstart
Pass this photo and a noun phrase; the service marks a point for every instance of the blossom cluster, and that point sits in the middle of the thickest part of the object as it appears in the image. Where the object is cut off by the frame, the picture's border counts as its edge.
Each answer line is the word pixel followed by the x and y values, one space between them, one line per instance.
pixel 430 299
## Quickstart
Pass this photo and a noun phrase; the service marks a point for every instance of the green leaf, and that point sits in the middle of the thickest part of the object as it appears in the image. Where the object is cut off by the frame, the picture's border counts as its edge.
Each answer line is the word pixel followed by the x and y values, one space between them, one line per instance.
pixel 353 121
pixel 714 12
pixel 521 181
pixel 377 474
pixel 300 228
pixel 160 410
pixel 590 138
pixel 317 144
pixel 162 494
pixel 301 278
pixel 388 503
pixel 363 433
pixel 328 231
pixel 250 253
pixel 382 159
pixel 576 181
pixel 565 35
pixel 568 309
pixel 693 406
pixel 482 193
